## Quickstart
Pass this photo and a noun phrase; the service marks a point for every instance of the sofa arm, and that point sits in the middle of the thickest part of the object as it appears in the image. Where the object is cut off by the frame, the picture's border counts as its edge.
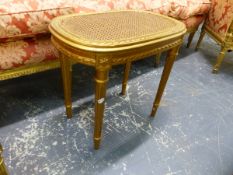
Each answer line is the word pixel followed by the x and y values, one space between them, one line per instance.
pixel 188 8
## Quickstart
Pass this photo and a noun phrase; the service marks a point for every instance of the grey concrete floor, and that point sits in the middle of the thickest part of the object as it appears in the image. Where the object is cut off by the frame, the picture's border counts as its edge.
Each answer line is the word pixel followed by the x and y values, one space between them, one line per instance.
pixel 192 133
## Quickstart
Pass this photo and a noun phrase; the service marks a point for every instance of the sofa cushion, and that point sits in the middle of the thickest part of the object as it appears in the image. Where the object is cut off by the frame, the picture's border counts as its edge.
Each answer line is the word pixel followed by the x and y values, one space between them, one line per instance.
pixel 20 18
pixel 27 24
pixel 17 6
pixel 160 6
pixel 188 8
pixel 180 9
pixel 25 52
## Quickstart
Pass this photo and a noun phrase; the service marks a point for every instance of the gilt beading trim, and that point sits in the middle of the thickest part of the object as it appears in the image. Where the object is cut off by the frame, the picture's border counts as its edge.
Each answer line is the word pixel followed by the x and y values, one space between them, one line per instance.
pixel 146 53
pixel 29 69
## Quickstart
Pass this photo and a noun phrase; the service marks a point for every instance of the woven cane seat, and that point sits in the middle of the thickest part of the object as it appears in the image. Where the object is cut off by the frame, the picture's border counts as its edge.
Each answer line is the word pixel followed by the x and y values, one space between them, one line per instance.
pixel 114 29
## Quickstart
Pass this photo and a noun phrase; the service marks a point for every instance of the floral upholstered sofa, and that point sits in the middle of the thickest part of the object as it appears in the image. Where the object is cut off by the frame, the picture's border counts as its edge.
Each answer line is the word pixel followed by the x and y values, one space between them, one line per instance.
pixel 25 46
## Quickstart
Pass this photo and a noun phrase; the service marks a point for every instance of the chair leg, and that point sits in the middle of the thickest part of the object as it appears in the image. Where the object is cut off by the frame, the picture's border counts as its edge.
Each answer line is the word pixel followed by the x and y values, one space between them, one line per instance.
pixel 66 69
pixel 190 39
pixel 219 60
pixel 172 54
pixel 126 77
pixel 101 79
pixel 3 170
pixel 200 39
pixel 157 59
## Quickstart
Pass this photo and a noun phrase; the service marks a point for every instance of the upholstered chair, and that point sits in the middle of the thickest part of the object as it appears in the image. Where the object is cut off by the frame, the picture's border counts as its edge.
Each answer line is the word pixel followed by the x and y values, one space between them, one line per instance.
pixel 219 26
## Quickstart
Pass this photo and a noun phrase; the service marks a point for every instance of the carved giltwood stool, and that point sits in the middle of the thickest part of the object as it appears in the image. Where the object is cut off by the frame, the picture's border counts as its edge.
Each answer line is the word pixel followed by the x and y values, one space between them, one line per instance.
pixel 105 39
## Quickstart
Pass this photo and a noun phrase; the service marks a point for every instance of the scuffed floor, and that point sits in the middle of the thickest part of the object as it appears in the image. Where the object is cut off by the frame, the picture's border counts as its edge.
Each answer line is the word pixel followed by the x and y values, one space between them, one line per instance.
pixel 192 133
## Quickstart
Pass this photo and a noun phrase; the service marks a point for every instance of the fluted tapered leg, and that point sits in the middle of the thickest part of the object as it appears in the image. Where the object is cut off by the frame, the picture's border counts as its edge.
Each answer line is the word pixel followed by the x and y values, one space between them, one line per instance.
pixel 101 79
pixel 66 69
pixel 157 59
pixel 165 75
pixel 219 60
pixel 126 77
pixel 190 39
pixel 200 39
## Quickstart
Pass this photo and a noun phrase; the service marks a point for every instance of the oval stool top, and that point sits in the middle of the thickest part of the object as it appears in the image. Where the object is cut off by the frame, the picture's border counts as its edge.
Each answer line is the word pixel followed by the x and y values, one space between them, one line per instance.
pixel 117 29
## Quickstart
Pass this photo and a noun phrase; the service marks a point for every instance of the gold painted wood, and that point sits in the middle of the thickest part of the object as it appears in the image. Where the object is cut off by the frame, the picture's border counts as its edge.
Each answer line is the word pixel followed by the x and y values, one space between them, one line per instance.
pixel 29 69
pixel 191 32
pixel 101 79
pixel 66 70
pixel 126 77
pixel 65 28
pixel 172 54
pixel 105 39
pixel 3 169
pixel 226 43
pixel 219 60
pixel 157 59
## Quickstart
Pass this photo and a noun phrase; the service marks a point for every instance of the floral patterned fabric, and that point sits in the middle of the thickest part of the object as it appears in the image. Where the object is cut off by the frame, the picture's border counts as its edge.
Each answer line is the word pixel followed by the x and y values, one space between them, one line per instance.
pixel 194 21
pixel 220 16
pixel 20 18
pixel 188 8
pixel 84 6
pixel 27 51
pixel 18 6
pixel 25 24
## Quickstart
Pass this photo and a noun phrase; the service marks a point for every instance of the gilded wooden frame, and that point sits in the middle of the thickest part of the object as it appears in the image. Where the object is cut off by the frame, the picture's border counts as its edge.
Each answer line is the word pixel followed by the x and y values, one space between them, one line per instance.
pixel 29 69
pixel 226 43
pixel 191 32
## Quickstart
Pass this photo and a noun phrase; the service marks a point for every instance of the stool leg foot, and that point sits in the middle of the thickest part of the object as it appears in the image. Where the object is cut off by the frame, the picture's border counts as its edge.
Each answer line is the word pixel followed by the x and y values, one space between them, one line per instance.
pixel 69 111
pixel 97 143
pixel 219 60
